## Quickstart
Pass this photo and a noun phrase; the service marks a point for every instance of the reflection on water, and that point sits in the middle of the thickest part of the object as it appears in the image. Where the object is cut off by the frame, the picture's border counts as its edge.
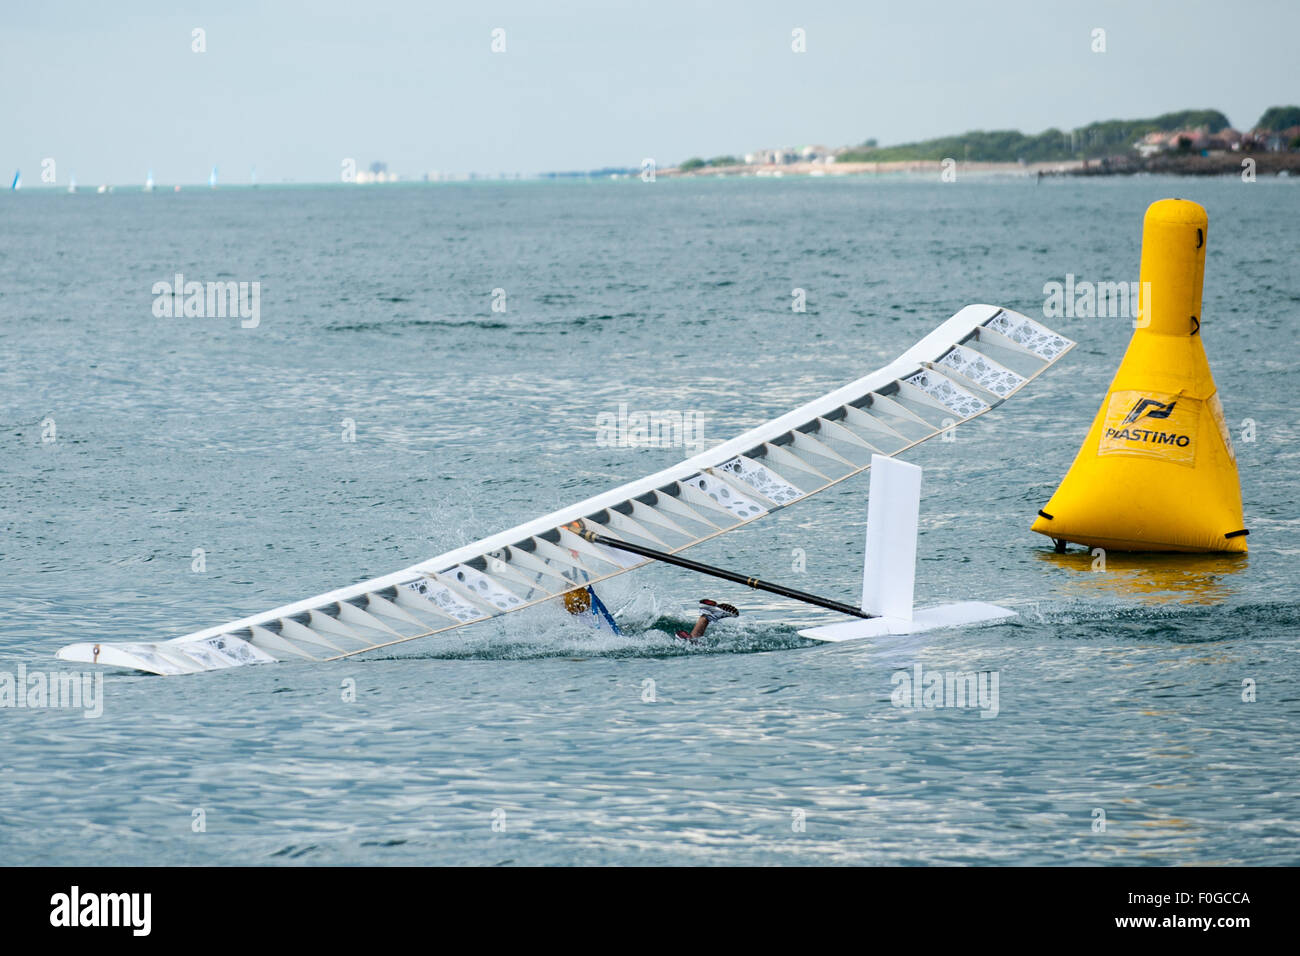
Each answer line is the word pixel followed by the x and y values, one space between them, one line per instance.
pixel 1153 578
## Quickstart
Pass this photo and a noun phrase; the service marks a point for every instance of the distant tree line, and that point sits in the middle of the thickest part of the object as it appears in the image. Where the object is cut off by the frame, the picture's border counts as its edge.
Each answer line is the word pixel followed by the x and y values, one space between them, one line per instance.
pixel 1277 118
pixel 1095 140
pixel 696 162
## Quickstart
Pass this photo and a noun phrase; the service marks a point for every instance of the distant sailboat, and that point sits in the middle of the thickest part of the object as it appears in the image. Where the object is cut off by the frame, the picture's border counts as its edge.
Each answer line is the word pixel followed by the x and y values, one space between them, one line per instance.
pixel 72 183
pixel 17 184
pixel 102 188
pixel 148 182
pixel 212 178
pixel 252 176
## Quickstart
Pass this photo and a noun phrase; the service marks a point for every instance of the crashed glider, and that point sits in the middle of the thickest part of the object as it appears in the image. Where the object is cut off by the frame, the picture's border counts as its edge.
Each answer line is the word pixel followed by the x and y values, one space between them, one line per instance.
pixel 968 365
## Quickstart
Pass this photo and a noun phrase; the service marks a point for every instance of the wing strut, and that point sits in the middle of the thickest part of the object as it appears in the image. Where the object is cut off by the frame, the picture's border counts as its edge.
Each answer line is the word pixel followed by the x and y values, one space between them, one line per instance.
pixel 710 570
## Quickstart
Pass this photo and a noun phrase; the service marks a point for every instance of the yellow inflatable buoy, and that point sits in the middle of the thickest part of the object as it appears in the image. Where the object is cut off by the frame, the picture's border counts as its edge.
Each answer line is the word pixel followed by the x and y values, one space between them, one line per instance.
pixel 1157 471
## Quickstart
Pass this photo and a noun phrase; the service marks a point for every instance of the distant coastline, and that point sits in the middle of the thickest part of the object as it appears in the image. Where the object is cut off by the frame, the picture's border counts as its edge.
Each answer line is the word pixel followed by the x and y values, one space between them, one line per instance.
pixel 1193 142
pixel 1214 164
pixel 896 166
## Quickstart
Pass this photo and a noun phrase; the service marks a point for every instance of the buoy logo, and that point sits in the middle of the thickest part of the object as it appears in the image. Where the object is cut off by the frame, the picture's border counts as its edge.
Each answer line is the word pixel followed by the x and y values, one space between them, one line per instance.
pixel 1130 428
pixel 1149 408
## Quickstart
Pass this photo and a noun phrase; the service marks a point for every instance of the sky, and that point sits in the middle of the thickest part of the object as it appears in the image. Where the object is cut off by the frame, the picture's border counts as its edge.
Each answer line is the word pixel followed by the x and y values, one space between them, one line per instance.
pixel 293 89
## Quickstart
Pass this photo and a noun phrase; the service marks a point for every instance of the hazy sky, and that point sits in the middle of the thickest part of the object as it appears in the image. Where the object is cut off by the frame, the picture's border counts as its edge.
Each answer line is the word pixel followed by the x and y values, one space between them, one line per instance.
pixel 111 89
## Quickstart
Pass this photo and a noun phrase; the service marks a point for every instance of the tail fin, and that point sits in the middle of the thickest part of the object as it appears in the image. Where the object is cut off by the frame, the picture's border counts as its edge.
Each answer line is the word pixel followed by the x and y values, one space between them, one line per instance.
pixel 889 572
pixel 890 569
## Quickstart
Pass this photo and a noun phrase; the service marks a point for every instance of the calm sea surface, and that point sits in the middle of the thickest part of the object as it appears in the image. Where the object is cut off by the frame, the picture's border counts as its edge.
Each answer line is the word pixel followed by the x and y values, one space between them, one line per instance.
pixel 530 740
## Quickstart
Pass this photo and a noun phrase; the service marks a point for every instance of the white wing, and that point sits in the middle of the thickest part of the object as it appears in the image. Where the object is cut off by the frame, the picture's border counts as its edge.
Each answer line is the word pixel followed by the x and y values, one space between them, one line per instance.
pixel 971 363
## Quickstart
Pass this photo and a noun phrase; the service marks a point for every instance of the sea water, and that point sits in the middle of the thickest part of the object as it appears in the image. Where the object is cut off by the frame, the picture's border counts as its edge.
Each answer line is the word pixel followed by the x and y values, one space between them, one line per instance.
pixel 431 365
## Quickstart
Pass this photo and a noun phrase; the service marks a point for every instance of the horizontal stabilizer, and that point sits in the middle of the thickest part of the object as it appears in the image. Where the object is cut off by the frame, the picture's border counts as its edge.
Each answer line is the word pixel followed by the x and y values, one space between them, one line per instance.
pixel 925 619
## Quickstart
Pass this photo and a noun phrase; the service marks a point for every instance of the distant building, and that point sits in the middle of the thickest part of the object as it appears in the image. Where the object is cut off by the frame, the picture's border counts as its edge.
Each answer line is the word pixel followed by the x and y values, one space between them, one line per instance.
pixel 1225 139
pixel 377 173
pixel 1279 141
pixel 1150 144
pixel 786 155
pixel 1161 142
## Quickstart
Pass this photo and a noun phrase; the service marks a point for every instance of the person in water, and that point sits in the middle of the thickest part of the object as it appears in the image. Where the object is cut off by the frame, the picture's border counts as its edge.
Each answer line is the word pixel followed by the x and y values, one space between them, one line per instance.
pixel 710 611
